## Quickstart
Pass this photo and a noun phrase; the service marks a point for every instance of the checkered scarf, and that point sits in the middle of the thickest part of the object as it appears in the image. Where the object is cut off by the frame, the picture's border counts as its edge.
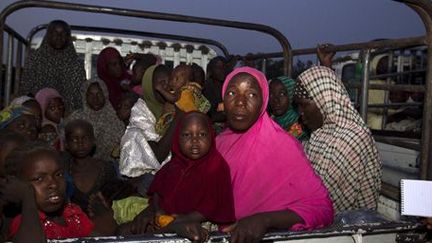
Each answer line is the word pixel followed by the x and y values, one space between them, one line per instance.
pixel 342 151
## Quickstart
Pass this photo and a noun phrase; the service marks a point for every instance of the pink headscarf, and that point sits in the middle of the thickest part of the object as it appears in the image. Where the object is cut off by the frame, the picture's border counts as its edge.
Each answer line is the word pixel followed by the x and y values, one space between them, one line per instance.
pixel 269 170
pixel 43 97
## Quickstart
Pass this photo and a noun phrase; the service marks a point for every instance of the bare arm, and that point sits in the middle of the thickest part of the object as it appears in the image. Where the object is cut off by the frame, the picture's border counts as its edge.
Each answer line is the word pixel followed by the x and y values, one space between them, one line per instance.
pixel 30 228
pixel 254 227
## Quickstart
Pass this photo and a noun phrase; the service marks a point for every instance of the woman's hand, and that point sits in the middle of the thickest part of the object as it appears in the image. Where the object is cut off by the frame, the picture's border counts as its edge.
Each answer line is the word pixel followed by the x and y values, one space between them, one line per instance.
pixel 191 230
pixel 248 230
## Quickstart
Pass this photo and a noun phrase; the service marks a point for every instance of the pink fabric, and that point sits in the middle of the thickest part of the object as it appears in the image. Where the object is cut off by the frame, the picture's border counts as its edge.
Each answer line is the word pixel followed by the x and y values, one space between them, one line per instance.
pixel 138 90
pixel 43 97
pixel 269 170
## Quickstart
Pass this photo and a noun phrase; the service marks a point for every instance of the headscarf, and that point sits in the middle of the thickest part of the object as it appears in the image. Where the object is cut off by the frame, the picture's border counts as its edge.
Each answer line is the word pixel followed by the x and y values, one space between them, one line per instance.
pixel 19 101
pixel 342 151
pixel 11 113
pixel 148 93
pixel 269 170
pixel 58 69
pixel 43 97
pixel 113 84
pixel 202 185
pixel 291 116
pixel 108 129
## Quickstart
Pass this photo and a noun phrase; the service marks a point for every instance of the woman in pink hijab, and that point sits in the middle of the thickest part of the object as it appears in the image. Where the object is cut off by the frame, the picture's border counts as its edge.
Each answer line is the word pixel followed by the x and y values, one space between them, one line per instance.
pixel 274 185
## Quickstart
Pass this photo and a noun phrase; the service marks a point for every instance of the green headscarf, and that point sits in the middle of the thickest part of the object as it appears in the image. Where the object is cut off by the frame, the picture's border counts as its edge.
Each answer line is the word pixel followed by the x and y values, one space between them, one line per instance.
pixel 291 116
pixel 147 85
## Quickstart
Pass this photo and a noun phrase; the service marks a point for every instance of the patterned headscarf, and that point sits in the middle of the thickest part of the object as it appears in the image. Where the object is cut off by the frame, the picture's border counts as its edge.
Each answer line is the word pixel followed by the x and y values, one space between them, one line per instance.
pixel 291 116
pixel 108 129
pixel 58 69
pixel 342 151
pixel 11 113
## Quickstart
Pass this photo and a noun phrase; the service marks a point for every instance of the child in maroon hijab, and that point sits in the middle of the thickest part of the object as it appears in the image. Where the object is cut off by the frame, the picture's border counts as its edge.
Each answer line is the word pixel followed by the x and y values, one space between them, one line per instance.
pixel 195 186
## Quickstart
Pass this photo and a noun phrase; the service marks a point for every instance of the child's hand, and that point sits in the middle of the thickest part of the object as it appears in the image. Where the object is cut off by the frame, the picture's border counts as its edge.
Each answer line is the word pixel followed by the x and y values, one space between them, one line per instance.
pixel 15 190
pixel 324 56
pixel 143 223
pixel 102 215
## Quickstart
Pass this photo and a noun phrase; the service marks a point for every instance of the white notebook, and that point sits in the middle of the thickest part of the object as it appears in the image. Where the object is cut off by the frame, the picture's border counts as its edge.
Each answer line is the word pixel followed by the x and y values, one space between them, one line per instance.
pixel 416 198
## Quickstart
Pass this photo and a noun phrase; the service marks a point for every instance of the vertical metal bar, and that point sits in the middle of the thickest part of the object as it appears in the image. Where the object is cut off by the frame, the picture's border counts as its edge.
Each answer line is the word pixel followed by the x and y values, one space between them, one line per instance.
pixel 9 60
pixel 365 85
pixel 387 93
pixel 264 65
pixel 18 65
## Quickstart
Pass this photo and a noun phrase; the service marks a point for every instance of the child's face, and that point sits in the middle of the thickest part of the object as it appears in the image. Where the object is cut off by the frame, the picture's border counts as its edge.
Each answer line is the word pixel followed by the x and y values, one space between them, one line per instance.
pixel 179 78
pixel 123 110
pixel 137 74
pixel 25 125
pixel 79 142
pixel 55 110
pixel 95 97
pixel 45 174
pixel 195 137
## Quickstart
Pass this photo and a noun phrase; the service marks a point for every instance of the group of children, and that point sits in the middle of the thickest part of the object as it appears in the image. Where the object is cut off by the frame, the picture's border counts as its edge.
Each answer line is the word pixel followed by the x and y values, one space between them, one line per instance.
pixel 55 184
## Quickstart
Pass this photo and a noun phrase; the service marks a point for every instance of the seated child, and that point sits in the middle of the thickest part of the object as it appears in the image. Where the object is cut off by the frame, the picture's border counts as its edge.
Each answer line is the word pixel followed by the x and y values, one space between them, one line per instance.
pixel 123 110
pixel 20 120
pixel 194 186
pixel 9 140
pixel 183 93
pixel 88 174
pixel 53 111
pixel 45 213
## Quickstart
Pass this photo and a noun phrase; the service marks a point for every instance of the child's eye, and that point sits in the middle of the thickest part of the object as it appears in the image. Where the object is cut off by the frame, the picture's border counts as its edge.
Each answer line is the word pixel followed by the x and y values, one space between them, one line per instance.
pixel 282 94
pixel 38 179
pixel 203 134
pixel 59 174
pixel 185 135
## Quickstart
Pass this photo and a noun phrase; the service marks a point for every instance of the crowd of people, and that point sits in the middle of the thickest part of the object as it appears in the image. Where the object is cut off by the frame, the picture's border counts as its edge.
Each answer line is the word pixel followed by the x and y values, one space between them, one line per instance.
pixel 150 149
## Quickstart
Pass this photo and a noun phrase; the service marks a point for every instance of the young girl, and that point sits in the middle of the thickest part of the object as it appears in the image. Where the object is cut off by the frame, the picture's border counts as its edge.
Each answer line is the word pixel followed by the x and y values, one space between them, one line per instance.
pixel 44 210
pixel 193 187
pixel 183 93
pixel 53 110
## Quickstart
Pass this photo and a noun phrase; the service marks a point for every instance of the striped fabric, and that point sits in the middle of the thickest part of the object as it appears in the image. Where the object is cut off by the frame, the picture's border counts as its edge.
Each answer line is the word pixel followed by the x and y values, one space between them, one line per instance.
pixel 342 151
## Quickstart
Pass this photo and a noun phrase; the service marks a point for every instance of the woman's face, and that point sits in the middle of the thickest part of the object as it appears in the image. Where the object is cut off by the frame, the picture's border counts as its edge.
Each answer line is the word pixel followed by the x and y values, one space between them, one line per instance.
pixel 95 97
pixel 279 100
pixel 310 113
pixel 58 37
pixel 115 67
pixel 160 77
pixel 242 101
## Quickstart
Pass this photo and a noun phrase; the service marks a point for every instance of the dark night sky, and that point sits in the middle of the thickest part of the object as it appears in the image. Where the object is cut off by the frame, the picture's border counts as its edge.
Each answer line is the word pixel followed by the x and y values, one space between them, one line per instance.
pixel 304 22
